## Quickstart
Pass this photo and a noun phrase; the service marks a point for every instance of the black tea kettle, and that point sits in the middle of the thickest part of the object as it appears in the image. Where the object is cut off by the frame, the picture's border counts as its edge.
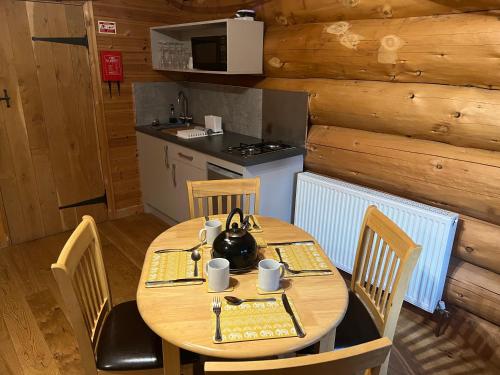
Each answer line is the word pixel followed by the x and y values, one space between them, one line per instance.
pixel 236 244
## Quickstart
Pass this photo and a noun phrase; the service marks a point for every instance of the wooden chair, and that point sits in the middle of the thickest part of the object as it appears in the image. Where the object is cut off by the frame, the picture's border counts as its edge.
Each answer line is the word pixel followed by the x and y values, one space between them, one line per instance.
pixel 384 263
pixel 220 196
pixel 109 338
pixel 354 360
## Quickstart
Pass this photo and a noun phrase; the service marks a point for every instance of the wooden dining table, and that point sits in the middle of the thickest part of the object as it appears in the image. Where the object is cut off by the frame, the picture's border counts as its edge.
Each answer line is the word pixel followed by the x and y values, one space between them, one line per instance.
pixel 182 315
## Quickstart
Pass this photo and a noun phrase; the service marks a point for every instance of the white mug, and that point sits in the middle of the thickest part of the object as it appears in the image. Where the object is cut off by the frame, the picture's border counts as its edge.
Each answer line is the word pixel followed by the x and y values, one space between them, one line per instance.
pixel 210 231
pixel 270 274
pixel 217 271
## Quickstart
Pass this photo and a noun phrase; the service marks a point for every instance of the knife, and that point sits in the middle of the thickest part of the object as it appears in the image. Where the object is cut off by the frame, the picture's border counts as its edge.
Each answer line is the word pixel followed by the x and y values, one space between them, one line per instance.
pixel 157 282
pixel 177 250
pixel 291 243
pixel 288 309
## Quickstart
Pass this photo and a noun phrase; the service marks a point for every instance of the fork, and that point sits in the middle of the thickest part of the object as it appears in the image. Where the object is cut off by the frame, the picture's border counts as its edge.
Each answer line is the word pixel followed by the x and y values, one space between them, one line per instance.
pixel 217 308
pixel 255 225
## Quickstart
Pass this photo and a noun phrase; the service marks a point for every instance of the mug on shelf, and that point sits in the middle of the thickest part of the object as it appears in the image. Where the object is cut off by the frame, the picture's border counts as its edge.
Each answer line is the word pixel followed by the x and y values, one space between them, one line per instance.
pixel 270 274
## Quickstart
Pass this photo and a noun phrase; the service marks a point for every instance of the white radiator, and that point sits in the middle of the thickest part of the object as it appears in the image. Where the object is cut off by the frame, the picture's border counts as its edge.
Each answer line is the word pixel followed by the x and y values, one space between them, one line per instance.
pixel 332 211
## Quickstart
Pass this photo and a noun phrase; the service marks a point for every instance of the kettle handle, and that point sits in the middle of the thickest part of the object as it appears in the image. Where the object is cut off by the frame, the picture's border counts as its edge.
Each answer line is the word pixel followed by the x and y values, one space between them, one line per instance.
pixel 230 217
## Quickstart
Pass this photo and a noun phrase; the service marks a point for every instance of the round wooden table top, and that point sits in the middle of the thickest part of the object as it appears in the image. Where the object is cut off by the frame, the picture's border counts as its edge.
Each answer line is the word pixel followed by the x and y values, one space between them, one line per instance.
pixel 182 315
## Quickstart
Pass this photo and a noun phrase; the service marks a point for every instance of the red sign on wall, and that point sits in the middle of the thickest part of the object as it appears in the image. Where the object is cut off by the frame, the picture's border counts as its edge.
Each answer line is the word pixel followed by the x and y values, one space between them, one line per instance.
pixel 106 27
pixel 111 66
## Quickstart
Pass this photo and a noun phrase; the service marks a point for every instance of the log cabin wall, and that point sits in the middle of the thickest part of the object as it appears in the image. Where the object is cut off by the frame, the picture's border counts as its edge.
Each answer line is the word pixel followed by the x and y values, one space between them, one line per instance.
pixel 404 98
pixel 408 106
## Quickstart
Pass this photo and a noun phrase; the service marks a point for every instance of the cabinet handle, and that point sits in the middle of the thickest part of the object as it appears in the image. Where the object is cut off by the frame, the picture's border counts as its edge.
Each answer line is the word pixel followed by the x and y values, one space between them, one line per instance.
pixel 165 158
pixel 190 158
pixel 173 175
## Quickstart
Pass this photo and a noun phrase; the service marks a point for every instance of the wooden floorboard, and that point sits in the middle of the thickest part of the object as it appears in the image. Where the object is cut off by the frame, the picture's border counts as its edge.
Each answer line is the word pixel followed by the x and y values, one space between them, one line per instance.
pixel 36 337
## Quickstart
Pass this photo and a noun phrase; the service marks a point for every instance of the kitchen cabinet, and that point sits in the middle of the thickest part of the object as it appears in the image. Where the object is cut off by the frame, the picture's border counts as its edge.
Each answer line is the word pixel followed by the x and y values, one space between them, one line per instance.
pixel 179 200
pixel 156 172
pixel 244 45
pixel 164 168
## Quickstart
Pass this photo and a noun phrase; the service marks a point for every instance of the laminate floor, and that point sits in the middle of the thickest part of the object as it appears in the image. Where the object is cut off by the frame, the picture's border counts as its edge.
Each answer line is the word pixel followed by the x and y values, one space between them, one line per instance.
pixel 36 337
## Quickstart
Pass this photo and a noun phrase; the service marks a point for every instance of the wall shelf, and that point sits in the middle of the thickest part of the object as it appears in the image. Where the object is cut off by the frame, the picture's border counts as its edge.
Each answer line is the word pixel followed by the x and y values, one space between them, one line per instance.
pixel 244 43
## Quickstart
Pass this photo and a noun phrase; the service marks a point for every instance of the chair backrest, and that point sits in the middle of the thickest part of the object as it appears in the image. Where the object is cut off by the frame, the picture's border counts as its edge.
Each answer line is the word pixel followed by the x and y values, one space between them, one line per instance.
pixel 353 360
pixel 384 263
pixel 220 196
pixel 81 277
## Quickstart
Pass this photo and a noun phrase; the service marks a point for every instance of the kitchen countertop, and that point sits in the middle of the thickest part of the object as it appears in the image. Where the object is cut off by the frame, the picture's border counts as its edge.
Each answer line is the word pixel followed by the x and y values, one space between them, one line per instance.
pixel 215 145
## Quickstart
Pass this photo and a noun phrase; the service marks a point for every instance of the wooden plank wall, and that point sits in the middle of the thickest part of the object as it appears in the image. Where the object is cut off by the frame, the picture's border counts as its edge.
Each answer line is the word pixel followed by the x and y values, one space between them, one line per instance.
pixel 404 97
pixel 133 19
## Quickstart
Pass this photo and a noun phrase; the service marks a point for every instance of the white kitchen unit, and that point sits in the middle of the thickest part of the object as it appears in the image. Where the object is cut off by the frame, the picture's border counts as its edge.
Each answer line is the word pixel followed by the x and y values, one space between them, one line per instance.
pixel 165 167
pixel 244 46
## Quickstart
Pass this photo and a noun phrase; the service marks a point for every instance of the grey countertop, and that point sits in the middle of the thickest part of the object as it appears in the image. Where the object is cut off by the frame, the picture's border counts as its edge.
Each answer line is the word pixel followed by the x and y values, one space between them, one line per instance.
pixel 215 146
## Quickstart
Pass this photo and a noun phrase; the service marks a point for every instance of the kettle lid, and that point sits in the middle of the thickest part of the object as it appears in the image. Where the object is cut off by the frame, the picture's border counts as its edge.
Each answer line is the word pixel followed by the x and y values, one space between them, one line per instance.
pixel 235 231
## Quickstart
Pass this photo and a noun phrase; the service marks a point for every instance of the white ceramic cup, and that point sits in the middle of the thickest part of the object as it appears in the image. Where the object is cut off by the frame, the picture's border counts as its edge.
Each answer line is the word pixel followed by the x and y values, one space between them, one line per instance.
pixel 217 271
pixel 270 274
pixel 210 231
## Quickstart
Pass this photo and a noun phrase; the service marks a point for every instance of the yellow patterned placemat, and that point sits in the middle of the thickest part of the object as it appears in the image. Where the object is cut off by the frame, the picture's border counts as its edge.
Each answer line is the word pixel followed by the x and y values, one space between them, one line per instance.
pixel 302 257
pixel 173 265
pixel 255 321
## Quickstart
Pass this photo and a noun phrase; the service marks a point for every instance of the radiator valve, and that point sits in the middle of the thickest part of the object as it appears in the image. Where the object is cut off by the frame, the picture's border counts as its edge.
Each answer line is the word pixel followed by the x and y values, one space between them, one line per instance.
pixel 443 316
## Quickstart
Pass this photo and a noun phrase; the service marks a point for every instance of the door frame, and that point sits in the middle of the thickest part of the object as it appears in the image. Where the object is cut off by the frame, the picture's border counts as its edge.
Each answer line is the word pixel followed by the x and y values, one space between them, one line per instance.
pixel 102 137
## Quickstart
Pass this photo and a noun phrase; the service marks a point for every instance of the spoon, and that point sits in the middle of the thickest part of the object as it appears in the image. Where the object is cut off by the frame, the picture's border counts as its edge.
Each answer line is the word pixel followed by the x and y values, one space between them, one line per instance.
pixel 196 256
pixel 238 301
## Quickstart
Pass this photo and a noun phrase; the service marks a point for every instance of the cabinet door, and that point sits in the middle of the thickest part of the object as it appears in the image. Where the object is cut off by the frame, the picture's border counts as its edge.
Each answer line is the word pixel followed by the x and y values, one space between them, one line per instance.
pixel 156 173
pixel 181 173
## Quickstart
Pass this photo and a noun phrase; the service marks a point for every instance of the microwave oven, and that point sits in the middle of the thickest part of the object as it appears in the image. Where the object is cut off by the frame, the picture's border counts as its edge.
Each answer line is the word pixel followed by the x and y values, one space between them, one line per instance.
pixel 209 52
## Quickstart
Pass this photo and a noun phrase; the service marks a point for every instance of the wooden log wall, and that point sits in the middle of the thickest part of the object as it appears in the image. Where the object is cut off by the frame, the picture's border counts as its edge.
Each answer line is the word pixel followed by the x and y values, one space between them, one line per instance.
pixel 407 105
pixel 404 98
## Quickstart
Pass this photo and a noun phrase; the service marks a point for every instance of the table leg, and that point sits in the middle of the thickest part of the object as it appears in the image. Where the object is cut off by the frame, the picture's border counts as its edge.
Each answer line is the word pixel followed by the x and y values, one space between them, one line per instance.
pixel 171 359
pixel 327 342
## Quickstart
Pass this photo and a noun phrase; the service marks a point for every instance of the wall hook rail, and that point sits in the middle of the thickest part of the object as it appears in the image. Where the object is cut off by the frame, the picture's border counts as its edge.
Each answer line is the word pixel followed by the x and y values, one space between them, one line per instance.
pixel 6 97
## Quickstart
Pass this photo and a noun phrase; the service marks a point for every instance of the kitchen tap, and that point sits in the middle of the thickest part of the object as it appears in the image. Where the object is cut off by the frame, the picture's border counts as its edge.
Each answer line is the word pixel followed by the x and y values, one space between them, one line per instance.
pixel 182 100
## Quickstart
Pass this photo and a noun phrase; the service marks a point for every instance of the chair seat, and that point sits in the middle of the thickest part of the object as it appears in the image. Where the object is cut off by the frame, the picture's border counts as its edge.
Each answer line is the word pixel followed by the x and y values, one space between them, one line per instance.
pixel 126 342
pixel 357 327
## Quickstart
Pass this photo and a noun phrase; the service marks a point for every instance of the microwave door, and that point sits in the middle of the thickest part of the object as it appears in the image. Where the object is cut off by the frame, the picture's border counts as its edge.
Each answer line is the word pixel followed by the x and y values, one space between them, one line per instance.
pixel 209 53
pixel 205 54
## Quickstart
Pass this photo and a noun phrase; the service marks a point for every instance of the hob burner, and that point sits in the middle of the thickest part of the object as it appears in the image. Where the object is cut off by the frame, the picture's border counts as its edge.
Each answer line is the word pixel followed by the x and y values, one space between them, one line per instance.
pixel 247 150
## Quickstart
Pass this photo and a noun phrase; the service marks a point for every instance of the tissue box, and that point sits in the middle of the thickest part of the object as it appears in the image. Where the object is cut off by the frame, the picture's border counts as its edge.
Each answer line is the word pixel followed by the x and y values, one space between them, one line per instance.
pixel 213 123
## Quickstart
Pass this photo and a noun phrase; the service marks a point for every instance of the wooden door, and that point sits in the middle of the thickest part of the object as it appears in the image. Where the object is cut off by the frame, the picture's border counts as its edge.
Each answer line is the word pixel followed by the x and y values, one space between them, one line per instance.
pixel 49 155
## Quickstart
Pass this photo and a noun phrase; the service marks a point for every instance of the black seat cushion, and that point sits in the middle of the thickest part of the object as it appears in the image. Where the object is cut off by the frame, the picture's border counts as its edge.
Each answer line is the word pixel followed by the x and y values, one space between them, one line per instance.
pixel 357 327
pixel 126 342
